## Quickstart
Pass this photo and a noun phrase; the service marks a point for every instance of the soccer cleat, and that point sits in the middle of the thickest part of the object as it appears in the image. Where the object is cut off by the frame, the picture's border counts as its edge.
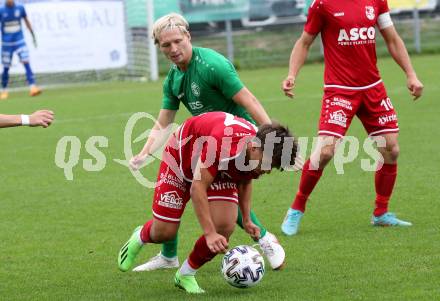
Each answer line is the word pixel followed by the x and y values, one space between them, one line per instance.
pixel 4 95
pixel 187 283
pixel 290 225
pixel 273 251
pixel 34 91
pixel 129 251
pixel 388 219
pixel 158 262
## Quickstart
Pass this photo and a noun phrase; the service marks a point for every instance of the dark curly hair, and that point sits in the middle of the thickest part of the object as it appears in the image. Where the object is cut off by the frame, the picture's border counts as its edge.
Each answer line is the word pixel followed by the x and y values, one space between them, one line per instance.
pixel 285 145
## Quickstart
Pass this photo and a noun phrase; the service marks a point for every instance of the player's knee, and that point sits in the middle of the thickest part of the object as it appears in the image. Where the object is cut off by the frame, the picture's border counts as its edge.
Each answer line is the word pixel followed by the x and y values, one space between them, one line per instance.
pixel 327 154
pixel 163 233
pixel 393 151
pixel 390 152
pixel 225 228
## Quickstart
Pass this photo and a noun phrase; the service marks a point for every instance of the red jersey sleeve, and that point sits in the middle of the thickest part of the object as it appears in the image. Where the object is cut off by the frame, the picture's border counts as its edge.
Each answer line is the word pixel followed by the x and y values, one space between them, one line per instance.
pixel 383 7
pixel 315 19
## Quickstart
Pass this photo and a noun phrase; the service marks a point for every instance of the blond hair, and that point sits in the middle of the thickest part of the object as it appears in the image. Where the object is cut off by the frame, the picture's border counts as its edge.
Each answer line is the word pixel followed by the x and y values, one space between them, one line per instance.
pixel 168 22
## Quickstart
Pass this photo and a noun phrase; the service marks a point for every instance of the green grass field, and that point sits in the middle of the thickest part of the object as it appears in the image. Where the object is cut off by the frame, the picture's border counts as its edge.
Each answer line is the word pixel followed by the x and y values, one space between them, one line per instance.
pixel 60 239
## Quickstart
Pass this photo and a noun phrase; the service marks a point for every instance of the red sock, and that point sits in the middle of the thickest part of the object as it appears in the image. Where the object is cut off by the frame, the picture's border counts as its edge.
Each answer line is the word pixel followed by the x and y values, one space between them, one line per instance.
pixel 384 182
pixel 200 254
pixel 145 232
pixel 308 181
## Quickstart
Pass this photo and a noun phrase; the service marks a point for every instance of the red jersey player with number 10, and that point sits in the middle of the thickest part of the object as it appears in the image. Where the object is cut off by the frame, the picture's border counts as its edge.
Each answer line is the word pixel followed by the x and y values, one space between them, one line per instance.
pixel 352 86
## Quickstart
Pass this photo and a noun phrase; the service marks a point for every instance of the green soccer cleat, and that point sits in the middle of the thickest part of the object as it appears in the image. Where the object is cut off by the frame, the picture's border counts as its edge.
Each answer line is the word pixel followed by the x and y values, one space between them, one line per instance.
pixel 128 253
pixel 187 283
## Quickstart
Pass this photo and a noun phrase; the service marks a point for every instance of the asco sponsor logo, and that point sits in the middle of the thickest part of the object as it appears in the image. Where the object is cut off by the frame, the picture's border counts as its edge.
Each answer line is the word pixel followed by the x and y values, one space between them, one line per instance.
pixel 357 36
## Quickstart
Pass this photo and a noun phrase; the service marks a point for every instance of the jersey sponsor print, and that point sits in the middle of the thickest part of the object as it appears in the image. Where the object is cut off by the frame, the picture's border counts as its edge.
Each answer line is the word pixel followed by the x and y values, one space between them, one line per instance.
pixel 348 32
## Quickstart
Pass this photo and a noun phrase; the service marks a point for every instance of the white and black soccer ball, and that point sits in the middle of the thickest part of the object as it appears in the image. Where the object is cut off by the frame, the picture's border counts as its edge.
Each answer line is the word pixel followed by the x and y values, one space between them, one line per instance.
pixel 243 266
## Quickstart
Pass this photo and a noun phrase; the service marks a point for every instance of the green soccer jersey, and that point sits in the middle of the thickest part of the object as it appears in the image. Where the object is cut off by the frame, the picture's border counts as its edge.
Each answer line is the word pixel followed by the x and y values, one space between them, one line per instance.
pixel 207 85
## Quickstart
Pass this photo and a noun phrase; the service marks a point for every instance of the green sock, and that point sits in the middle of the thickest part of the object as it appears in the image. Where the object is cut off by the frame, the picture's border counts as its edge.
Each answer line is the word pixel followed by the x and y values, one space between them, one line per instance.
pixel 255 220
pixel 169 248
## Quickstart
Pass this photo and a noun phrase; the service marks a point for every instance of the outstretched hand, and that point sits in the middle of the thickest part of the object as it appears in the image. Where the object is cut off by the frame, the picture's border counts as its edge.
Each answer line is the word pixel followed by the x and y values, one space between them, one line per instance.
pixel 42 118
pixel 137 162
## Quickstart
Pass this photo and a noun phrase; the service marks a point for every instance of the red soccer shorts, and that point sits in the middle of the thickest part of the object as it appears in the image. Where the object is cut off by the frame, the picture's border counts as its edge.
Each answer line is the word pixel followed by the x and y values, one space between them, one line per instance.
pixel 172 194
pixel 372 106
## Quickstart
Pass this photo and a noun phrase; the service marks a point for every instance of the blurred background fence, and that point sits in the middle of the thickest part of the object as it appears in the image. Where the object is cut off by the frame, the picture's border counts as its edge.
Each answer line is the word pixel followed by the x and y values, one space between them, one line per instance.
pixel 115 43
pixel 271 45
pixel 257 46
pixel 266 31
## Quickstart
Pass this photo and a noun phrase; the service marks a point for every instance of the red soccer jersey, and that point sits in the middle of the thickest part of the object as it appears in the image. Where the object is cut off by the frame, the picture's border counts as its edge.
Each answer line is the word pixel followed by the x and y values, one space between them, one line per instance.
pixel 217 138
pixel 348 32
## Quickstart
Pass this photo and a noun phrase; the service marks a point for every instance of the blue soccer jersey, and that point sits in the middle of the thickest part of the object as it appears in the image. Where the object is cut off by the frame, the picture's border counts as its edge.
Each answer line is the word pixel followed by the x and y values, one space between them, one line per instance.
pixel 10 18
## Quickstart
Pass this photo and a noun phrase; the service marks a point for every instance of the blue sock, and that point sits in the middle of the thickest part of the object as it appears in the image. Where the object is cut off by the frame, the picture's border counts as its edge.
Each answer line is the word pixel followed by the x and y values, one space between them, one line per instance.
pixel 29 75
pixel 5 77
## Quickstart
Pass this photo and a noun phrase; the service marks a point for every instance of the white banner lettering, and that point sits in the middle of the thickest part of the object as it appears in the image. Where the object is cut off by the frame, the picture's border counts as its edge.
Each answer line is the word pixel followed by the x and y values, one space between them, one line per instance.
pixel 75 36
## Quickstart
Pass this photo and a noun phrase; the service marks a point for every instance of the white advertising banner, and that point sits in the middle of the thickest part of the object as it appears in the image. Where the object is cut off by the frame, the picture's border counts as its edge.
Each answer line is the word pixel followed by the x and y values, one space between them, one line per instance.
pixel 75 36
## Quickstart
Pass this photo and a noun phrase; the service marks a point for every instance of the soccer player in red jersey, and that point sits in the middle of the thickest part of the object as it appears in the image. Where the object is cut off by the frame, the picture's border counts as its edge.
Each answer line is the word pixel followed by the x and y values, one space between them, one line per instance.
pixel 213 152
pixel 201 80
pixel 352 86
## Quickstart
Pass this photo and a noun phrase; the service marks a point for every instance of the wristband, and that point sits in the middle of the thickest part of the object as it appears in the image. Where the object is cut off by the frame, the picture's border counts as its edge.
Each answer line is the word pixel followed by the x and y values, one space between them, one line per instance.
pixel 25 120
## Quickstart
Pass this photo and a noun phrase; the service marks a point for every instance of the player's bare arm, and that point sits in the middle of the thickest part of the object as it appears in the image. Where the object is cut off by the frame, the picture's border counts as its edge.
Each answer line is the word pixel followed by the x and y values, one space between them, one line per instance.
pixel 154 142
pixel 201 182
pixel 297 60
pixel 398 51
pixel 29 27
pixel 247 100
pixel 244 201
pixel 43 118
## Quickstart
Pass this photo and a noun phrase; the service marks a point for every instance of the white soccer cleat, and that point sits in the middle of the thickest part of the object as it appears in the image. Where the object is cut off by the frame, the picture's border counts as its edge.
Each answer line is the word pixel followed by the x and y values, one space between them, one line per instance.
pixel 273 251
pixel 158 262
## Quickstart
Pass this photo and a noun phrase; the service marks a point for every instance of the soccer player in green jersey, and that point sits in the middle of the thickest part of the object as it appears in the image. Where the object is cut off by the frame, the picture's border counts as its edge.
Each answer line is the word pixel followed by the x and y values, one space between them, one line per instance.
pixel 203 81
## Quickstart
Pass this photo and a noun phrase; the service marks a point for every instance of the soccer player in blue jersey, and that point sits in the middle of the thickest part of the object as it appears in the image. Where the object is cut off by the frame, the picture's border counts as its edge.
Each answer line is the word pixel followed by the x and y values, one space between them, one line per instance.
pixel 13 41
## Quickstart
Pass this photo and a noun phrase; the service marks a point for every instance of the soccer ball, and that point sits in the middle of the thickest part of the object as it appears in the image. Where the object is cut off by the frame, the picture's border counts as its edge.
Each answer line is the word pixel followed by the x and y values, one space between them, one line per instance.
pixel 243 266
